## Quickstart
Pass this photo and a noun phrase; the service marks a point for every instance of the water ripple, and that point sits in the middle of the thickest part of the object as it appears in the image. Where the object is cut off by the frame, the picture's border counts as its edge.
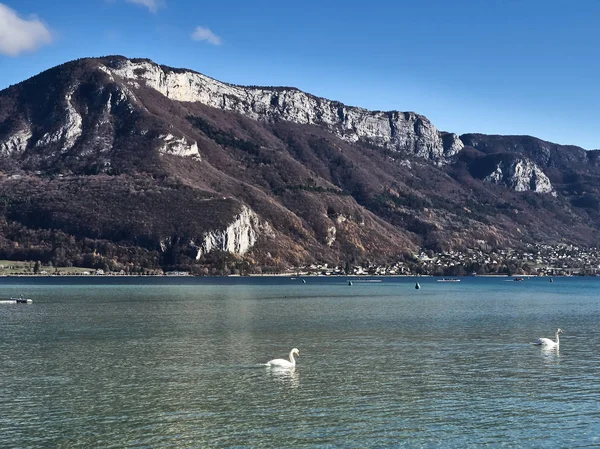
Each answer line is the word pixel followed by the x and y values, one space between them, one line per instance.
pixel 117 367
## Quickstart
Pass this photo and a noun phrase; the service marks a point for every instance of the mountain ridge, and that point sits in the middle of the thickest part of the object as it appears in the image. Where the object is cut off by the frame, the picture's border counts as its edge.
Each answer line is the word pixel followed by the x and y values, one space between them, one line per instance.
pixel 312 178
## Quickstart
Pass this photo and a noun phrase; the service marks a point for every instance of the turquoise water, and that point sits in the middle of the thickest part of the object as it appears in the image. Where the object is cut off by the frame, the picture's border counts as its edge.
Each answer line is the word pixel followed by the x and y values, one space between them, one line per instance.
pixel 130 362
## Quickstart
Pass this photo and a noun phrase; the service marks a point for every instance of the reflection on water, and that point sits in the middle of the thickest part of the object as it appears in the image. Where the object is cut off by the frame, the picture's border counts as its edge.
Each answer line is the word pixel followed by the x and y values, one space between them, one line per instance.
pixel 550 355
pixel 383 365
pixel 287 376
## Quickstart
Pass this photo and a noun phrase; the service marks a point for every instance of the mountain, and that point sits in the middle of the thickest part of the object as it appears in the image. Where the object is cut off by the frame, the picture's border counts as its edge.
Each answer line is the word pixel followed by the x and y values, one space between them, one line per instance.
pixel 126 164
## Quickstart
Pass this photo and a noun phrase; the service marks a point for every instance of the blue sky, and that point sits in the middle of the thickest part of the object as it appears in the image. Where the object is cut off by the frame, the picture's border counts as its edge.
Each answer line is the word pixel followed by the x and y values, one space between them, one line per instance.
pixel 490 66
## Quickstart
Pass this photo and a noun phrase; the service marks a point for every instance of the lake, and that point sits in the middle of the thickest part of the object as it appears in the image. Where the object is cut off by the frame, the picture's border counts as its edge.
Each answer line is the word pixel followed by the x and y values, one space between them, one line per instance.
pixel 177 362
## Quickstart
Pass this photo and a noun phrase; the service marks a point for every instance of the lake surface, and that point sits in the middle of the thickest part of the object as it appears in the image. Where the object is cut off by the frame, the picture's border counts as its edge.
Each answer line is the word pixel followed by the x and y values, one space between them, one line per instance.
pixel 176 362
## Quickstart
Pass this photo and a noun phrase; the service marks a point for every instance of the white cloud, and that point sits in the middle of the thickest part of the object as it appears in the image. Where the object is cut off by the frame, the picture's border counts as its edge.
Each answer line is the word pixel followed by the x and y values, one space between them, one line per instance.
pixel 152 5
pixel 205 34
pixel 18 35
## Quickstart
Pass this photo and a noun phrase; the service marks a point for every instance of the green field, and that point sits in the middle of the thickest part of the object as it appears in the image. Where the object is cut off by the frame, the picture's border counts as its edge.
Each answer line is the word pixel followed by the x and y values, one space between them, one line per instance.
pixel 18 268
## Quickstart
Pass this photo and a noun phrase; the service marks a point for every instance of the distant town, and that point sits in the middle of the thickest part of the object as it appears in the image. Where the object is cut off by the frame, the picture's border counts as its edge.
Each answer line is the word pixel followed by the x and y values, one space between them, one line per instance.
pixel 533 260
pixel 537 260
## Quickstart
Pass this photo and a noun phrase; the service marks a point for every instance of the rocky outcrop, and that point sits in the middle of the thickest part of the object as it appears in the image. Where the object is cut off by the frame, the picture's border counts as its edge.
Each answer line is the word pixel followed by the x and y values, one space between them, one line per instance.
pixel 15 143
pixel 331 234
pixel 398 131
pixel 178 147
pixel 237 238
pixel 521 175
pixel 452 144
pixel 68 132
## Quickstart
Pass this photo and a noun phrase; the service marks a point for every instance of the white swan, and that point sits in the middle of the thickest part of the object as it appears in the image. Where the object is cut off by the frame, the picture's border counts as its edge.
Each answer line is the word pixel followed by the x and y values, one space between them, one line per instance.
pixel 548 343
pixel 282 363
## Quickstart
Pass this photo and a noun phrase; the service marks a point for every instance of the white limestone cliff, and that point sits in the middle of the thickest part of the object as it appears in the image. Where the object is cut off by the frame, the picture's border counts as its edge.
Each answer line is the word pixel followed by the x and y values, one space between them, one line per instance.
pixel 69 131
pixel 399 131
pixel 331 234
pixel 237 238
pixel 178 147
pixel 521 175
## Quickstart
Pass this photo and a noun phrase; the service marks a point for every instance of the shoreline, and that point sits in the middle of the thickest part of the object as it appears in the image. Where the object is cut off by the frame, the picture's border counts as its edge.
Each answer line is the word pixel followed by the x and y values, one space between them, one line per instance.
pixel 282 275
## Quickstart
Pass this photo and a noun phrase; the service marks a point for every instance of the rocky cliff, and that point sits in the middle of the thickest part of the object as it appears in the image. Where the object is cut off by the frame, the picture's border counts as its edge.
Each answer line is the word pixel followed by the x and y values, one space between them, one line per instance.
pixel 521 175
pixel 399 131
pixel 237 237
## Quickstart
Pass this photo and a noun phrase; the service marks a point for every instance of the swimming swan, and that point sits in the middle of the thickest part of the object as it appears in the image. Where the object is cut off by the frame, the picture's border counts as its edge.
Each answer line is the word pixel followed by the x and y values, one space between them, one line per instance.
pixel 282 363
pixel 547 343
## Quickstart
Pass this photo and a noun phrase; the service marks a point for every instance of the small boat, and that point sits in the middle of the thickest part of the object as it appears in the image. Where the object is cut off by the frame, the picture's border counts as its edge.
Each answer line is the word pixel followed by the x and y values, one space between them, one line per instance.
pixel 417 286
pixel 448 280
pixel 551 280
pixel 518 279
pixel 19 300
pixel 349 282
pixel 304 281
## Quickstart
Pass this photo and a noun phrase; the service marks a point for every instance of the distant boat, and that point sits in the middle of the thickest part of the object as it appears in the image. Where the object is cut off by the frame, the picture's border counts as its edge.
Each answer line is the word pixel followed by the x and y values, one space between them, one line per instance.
pixel 518 279
pixel 551 280
pixel 448 280
pixel 417 286
pixel 349 282
pixel 304 281
pixel 18 300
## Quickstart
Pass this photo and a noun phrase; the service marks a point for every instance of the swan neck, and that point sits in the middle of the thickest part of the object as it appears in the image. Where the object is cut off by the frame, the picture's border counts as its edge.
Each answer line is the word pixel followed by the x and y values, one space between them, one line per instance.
pixel 292 360
pixel 557 340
